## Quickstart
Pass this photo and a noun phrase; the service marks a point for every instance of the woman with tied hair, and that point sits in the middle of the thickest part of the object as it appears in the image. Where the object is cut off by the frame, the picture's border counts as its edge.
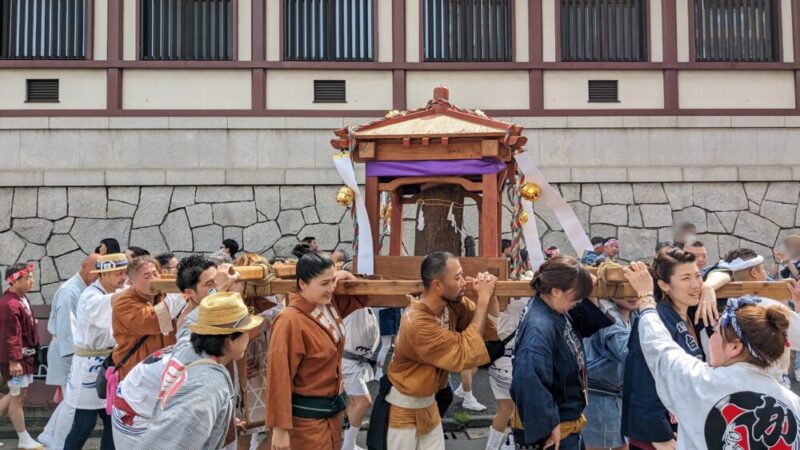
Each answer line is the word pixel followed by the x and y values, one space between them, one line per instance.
pixel 731 401
pixel 305 401
pixel 678 286
pixel 549 368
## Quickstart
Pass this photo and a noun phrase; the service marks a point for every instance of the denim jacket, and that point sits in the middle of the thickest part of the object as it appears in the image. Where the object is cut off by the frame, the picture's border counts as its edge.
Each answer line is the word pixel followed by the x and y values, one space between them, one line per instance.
pixel 606 352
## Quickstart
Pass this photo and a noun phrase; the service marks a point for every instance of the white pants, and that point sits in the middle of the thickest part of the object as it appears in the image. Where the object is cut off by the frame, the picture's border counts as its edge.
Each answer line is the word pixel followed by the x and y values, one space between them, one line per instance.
pixel 57 428
pixel 407 439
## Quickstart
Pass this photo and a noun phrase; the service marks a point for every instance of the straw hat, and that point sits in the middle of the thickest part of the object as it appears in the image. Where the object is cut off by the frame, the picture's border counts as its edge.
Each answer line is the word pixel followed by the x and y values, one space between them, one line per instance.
pixel 224 313
pixel 110 263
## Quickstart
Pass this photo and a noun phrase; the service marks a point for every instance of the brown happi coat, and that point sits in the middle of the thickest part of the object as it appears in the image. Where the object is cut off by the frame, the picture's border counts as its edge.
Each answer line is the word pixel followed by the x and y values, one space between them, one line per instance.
pixel 305 359
pixel 427 350
pixel 133 317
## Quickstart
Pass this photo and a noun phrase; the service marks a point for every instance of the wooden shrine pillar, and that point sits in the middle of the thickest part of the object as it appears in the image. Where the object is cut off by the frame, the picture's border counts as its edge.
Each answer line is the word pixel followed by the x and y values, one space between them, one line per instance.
pixel 490 228
pixel 372 199
pixel 396 225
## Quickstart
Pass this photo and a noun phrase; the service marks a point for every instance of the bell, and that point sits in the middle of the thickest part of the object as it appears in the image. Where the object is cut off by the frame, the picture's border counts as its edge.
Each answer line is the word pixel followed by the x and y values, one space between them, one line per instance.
pixel 345 196
pixel 530 191
pixel 523 218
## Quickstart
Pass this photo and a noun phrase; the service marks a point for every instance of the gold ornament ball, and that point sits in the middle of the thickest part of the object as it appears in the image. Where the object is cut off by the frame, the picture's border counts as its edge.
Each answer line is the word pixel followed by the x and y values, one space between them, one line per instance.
pixel 530 191
pixel 345 196
pixel 523 218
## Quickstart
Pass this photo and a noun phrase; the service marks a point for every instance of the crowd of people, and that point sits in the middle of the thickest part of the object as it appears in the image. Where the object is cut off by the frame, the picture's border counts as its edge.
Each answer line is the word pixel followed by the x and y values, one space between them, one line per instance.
pixel 227 364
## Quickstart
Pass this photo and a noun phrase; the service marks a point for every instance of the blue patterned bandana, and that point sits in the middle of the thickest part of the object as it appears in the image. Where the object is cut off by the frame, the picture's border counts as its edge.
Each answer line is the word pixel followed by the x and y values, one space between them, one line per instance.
pixel 728 319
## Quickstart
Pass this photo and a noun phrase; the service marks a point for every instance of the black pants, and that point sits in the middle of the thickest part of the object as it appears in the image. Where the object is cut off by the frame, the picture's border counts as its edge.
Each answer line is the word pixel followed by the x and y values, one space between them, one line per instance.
pixel 82 426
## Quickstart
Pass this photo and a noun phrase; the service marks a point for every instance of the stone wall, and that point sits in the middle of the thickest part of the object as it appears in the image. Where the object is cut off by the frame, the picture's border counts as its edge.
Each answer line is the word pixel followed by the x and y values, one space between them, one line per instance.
pixel 56 226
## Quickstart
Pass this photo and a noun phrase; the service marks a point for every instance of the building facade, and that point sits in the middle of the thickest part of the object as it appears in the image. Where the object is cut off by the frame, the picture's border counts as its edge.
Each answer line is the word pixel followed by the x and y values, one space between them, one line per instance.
pixel 172 124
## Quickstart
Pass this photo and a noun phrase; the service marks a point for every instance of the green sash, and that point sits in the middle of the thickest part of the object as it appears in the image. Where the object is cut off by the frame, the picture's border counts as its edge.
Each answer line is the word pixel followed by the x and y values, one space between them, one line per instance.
pixel 318 407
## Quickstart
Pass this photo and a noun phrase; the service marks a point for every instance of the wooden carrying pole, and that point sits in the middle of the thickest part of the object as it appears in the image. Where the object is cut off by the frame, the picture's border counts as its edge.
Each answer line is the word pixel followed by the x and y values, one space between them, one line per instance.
pixel 392 293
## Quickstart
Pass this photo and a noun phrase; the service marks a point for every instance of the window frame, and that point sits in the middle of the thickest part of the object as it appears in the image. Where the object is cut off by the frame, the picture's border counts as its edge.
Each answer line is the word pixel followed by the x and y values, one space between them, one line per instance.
pixel 647 40
pixel 88 38
pixel 375 43
pixel 778 31
pixel 234 39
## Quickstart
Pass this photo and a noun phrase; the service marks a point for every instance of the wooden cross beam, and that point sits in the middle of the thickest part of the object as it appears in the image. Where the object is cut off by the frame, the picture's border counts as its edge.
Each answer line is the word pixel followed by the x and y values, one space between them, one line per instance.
pixel 392 293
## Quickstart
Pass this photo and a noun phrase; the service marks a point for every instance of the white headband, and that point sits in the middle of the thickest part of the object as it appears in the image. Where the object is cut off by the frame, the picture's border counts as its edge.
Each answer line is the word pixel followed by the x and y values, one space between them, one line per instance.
pixel 741 264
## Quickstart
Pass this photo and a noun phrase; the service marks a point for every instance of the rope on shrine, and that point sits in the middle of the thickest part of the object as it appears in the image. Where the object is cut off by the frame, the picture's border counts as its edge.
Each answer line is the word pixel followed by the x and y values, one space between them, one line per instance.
pixel 517 239
pixel 262 287
pixel 386 218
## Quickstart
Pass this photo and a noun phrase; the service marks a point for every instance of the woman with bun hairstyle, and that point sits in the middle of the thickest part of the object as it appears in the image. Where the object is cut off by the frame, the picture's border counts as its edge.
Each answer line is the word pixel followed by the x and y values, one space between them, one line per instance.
pixel 678 286
pixel 549 368
pixel 731 402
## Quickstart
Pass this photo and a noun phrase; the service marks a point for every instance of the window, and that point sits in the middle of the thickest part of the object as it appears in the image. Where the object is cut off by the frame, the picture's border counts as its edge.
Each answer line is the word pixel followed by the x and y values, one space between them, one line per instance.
pixel 603 30
pixel 328 30
pixel 43 29
pixel 186 30
pixel 467 30
pixel 736 30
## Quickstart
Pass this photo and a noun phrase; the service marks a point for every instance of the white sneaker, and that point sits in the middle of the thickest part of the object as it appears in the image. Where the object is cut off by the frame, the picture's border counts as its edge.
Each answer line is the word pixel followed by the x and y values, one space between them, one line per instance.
pixel 29 443
pixel 459 392
pixel 508 442
pixel 472 404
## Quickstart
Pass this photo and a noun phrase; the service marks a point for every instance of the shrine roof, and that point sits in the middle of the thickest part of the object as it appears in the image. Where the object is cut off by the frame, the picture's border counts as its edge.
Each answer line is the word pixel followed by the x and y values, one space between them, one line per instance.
pixel 438 119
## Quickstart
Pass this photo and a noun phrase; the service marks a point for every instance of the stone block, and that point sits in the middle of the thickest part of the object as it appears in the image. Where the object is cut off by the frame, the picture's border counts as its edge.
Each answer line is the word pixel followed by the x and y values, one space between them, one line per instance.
pixel 310 215
pixel 45 149
pixel 786 192
pixel 207 238
pixel 241 214
pixel 541 122
pixel 149 238
pixel 128 195
pixel 655 174
pixel 261 236
pixel 543 212
pixel 32 252
pixel 48 291
pixel 728 219
pixel 714 224
pixel 314 123
pixel 180 145
pixel 47 271
pixel 52 203
pixel 290 221
pixel 6 204
pixel 69 264
pixel 558 174
pixel 782 214
pixel 758 248
pixel 609 214
pixel 138 123
pixel 665 235
pixel 16 178
pixel 581 210
pixel 679 195
pixel 594 122
pixel 328 210
pixel 154 206
pixel 603 230
pixel 268 201
pixel 120 210
pixel 649 121
pixel 656 216
pixel 765 173
pixel 558 239
pixel 692 215
pixel 79 123
pixel 595 175
pixel 182 196
pixel 140 177
pixel 254 177
pixel 704 121
pixel 321 177
pixel 192 123
pixel 755 228
pixel 590 194
pixel 176 231
pixel 200 215
pixel 110 149
pixel 223 194
pixel 228 148
pixel 711 242
pixel 570 191
pixel 296 197
pixel 234 233
pixel 753 207
pixel 36 298
pixel 24 123
pixel 192 177
pixel 33 230
pixel 60 244
pixel 635 216
pixel 636 244
pixel 283 247
pixel 24 202
pixel 89 232
pixel 649 193
pixel 63 225
pixel 87 202
pixel 755 191
pixel 279 149
pixel 620 193
pixel 708 174
pixel 720 196
pixel 256 123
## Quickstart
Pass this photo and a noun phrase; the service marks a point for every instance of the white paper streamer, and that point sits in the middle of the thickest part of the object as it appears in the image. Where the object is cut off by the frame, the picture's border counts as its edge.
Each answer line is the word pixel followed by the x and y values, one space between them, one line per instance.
pixel 366 256
pixel 552 198
pixel 531 233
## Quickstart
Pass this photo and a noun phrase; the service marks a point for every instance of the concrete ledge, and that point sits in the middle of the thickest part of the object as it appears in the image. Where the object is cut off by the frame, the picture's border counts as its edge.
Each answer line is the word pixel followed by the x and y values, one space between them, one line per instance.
pixel 654 174
pixel 192 177
pixel 138 123
pixel 135 177
pixel 765 173
pixel 21 178
pixel 710 174
pixel 74 178
pixel 599 175
pixel 254 176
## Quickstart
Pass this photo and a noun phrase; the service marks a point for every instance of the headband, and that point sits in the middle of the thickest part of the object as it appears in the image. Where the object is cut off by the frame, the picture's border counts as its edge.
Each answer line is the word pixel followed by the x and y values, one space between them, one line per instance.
pixel 728 319
pixel 21 273
pixel 741 264
pixel 611 241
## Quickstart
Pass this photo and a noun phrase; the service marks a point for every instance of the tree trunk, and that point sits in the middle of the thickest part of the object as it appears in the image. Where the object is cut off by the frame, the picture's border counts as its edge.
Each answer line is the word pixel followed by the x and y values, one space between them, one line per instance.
pixel 438 233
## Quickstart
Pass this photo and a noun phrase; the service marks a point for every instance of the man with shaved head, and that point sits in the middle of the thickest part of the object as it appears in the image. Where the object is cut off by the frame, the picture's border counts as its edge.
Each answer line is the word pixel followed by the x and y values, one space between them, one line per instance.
pixel 59 356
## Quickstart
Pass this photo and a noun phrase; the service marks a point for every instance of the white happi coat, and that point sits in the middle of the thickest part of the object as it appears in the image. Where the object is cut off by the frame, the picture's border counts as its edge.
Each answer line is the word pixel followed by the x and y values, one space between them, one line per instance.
pixel 61 326
pixel 93 332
